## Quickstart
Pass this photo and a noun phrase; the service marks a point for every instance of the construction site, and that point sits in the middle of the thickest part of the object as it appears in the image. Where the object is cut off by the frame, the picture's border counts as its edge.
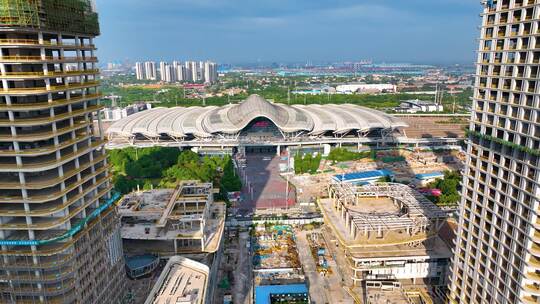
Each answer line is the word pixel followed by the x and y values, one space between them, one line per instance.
pixel 275 256
pixel 319 253
pixel 168 222
pixel 389 235
pixel 158 225
pixel 405 165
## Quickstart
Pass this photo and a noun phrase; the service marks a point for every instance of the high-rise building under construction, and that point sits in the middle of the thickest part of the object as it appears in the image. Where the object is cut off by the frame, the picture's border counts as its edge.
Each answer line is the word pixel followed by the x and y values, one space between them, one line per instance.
pixel 497 254
pixel 59 231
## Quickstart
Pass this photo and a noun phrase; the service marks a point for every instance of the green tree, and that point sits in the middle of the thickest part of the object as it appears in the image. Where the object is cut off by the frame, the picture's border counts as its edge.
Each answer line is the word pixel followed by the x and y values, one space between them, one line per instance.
pixel 342 154
pixel 230 181
pixel 124 185
pixel 449 187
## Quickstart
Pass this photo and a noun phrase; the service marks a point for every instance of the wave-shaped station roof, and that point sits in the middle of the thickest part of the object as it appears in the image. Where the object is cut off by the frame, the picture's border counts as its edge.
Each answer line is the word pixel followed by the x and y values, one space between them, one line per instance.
pixel 231 119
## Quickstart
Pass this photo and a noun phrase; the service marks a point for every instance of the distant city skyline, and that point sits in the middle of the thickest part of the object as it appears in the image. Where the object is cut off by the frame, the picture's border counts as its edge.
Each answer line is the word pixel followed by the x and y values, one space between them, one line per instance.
pixel 240 31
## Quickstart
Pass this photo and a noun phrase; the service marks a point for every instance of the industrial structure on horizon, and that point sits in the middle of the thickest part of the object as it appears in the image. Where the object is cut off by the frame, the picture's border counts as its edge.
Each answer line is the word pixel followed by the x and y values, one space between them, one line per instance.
pixel 362 88
pixel 416 106
pixel 59 231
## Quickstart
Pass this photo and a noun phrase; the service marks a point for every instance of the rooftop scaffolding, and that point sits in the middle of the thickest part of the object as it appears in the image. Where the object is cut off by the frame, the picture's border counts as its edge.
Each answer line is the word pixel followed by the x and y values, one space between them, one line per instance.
pixel 406 211
pixel 76 16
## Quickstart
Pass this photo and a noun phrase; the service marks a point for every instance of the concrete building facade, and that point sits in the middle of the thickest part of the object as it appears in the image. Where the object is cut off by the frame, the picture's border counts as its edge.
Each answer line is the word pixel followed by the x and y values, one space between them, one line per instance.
pixel 150 70
pixel 388 232
pixel 497 254
pixel 59 232
pixel 172 221
pixel 181 281
pixel 163 71
pixel 210 72
pixel 139 71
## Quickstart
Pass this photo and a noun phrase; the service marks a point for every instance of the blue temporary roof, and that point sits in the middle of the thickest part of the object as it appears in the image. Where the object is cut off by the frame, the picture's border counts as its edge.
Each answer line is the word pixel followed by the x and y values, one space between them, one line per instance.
pixel 263 292
pixel 429 175
pixel 362 176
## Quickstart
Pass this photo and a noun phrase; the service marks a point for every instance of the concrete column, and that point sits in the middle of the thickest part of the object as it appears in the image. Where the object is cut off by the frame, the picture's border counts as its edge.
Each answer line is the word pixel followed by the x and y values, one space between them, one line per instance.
pixel 100 126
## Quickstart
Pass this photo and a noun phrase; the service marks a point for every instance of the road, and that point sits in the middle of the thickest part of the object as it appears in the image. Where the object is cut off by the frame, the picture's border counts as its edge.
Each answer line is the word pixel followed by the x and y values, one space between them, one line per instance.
pixel 243 276
pixel 342 275
pixel 321 289
pixel 317 284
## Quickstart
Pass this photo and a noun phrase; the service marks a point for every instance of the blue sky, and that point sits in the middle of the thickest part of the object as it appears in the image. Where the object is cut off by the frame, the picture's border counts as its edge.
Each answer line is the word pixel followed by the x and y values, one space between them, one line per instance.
pixel 241 31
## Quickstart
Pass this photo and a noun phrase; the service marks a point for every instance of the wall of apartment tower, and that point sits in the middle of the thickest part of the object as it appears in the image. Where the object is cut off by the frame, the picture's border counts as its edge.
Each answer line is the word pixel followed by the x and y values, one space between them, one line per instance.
pixel 497 254
pixel 54 173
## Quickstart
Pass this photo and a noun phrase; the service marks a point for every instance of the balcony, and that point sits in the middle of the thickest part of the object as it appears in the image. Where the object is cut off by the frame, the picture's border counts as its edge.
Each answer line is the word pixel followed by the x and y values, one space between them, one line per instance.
pixel 46 105
pixel 36 121
pixel 52 163
pixel 534 261
pixel 45 43
pixel 46 90
pixel 49 181
pixel 37 199
pixel 533 276
pixel 55 292
pixel 536 236
pixel 45 59
pixel 532 288
pixel 46 149
pixel 51 278
pixel 55 222
pixel 43 135
pixel 43 263
pixel 57 248
pixel 53 74
pixel 530 299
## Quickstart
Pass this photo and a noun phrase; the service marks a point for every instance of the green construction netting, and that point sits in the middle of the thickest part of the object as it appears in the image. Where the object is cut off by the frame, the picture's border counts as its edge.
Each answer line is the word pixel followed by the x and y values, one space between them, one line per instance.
pixel 76 16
